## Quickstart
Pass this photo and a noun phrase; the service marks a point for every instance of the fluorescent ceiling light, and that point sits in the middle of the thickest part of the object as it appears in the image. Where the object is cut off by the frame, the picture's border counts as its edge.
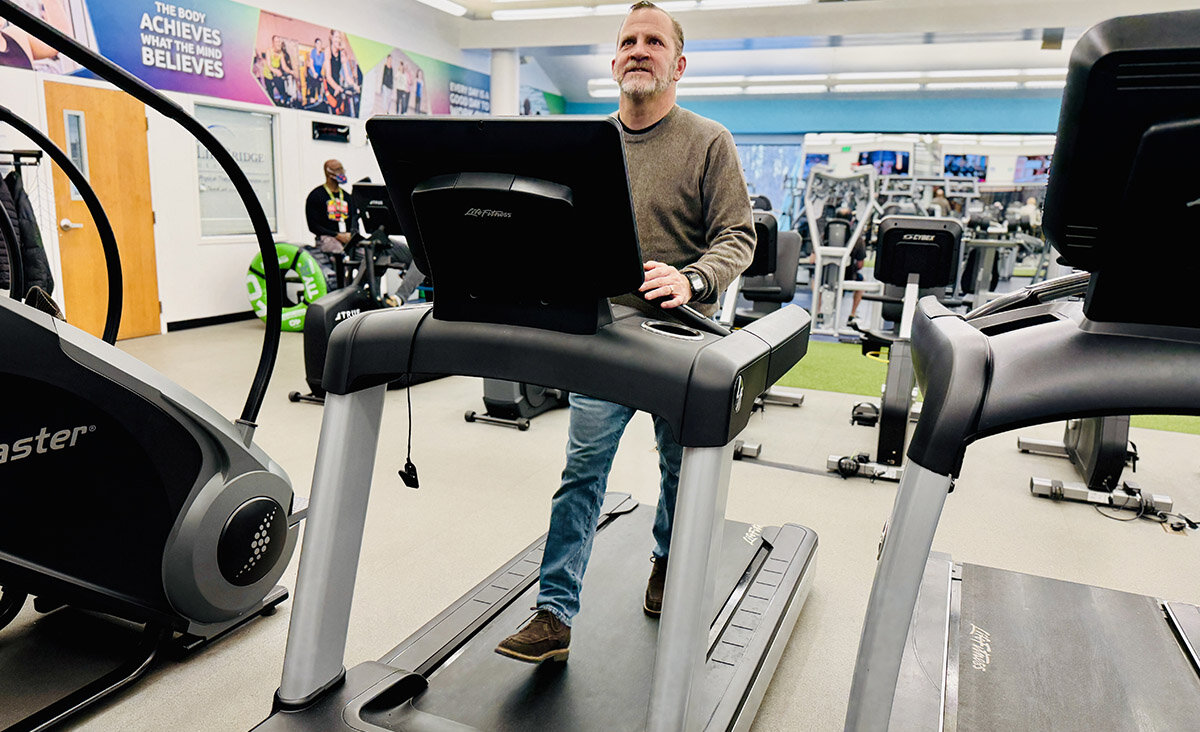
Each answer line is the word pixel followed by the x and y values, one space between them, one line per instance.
pixel 970 73
pixel 944 85
pixel 1061 83
pixel 787 78
pixel 570 11
pixel 1044 72
pixel 875 87
pixel 736 79
pixel 604 93
pixel 738 4
pixel 878 75
pixel 788 89
pixel 705 91
pixel 446 6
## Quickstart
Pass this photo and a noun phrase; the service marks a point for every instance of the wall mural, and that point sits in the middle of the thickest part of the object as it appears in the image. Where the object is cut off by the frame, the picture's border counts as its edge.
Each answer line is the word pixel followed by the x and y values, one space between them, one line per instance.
pixel 228 50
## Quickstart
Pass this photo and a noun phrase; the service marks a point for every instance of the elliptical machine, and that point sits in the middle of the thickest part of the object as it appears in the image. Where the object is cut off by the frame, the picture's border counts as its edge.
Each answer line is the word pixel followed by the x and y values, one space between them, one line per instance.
pixel 918 256
pixel 125 494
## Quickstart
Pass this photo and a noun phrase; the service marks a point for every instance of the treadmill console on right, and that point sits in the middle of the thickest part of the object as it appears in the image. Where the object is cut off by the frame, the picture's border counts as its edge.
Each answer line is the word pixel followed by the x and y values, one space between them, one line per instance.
pixel 1119 197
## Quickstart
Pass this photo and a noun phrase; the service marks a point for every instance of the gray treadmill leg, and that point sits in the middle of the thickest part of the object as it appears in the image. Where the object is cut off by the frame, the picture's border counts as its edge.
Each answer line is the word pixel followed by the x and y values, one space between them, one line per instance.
pixel 691 585
pixel 906 546
pixel 337 511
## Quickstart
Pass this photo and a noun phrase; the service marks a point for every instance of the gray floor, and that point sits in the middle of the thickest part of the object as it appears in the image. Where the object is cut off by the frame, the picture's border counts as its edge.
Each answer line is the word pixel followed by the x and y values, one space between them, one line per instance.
pixel 485 494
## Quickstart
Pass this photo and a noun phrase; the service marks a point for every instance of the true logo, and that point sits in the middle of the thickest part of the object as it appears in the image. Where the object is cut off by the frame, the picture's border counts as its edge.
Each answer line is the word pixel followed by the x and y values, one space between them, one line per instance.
pixel 41 443
pixel 346 314
pixel 488 213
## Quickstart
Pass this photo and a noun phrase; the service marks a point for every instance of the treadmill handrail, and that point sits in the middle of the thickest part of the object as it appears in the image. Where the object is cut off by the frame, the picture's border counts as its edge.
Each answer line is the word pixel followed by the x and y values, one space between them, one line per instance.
pixel 978 384
pixel 694 383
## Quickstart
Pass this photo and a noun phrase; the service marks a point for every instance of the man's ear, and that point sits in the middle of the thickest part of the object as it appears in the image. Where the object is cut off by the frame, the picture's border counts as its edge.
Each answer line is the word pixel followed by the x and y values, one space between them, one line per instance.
pixel 614 69
pixel 680 65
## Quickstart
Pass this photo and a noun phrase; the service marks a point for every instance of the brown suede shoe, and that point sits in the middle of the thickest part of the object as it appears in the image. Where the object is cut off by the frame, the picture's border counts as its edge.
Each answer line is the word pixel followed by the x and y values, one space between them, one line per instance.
pixel 545 638
pixel 654 588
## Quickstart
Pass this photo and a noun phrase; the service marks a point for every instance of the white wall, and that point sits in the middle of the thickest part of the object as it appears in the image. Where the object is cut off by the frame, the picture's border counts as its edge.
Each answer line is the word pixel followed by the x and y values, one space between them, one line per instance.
pixel 201 277
pixel 532 74
pixel 21 93
pixel 204 277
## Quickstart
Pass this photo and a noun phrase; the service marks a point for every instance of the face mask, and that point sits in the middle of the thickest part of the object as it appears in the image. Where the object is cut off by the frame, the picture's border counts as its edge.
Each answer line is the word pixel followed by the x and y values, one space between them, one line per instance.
pixel 340 178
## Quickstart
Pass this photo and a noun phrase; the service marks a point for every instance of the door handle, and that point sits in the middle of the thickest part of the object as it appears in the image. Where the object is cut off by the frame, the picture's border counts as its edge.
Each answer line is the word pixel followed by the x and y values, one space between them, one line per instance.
pixel 67 225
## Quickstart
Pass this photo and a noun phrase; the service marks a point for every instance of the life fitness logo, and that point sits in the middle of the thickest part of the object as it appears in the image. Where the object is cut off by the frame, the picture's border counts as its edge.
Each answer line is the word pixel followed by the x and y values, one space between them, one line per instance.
pixel 488 213
pixel 43 442
pixel 739 391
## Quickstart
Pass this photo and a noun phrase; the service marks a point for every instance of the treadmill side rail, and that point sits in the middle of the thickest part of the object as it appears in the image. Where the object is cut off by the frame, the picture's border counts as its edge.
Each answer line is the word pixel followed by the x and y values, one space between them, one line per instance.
pixel 333 539
pixel 906 544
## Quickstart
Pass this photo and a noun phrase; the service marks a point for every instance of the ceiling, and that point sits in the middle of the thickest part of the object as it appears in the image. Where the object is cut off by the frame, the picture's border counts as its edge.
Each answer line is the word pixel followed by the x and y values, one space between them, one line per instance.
pixel 866 38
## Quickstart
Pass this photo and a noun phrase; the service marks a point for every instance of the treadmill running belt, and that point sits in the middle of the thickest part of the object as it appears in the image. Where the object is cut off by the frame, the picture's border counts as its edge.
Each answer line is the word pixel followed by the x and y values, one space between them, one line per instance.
pixel 606 682
pixel 1042 654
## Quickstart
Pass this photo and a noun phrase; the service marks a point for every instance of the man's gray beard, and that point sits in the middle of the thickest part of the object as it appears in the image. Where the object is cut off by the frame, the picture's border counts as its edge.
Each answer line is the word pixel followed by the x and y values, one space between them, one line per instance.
pixel 634 90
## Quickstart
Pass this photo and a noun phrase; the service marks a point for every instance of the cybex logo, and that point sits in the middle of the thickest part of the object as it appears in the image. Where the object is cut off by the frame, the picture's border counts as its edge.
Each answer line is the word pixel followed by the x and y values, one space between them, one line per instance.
pixel 41 443
pixel 488 213
pixel 917 237
pixel 752 534
pixel 346 314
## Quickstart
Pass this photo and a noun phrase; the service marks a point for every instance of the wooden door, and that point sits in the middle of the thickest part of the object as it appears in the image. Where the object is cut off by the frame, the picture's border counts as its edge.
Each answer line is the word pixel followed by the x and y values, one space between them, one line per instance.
pixel 108 130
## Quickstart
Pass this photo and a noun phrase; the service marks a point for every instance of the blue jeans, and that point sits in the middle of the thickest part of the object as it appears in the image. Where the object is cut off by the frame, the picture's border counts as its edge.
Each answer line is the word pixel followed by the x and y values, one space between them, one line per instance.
pixel 595 430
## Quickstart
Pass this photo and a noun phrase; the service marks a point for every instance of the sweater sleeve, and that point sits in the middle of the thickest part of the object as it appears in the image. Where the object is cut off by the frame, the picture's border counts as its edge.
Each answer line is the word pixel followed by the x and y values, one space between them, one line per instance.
pixel 728 219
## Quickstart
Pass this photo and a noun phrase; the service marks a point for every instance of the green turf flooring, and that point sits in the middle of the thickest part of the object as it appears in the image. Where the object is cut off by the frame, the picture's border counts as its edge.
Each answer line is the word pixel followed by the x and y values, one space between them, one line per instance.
pixel 841 367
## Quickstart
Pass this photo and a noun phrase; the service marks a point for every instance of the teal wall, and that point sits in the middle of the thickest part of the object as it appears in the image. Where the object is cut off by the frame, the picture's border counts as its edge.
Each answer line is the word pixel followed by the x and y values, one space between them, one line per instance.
pixel 1032 113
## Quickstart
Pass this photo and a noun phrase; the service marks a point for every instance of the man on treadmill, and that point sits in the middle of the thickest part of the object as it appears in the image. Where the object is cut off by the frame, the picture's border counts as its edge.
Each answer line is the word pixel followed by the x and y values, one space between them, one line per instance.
pixel 697 234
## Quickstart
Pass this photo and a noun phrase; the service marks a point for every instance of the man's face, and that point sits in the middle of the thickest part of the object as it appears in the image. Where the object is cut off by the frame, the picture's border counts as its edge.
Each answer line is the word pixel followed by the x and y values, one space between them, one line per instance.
pixel 334 169
pixel 647 61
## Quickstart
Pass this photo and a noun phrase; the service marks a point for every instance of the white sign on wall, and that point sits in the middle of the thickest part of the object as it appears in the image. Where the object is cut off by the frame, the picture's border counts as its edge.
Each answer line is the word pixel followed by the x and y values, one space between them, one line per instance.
pixel 250 138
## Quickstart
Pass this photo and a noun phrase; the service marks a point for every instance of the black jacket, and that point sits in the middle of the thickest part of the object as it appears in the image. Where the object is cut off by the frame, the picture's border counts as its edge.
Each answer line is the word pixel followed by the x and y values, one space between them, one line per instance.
pixel 33 254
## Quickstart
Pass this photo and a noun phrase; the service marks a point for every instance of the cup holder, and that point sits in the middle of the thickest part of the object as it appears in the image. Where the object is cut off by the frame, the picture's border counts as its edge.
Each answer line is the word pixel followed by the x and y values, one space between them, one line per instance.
pixel 672 330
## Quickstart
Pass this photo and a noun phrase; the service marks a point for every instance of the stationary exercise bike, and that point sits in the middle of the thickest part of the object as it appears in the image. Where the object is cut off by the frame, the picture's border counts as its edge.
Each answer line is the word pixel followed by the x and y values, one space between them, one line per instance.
pixel 918 256
pixel 359 287
pixel 123 493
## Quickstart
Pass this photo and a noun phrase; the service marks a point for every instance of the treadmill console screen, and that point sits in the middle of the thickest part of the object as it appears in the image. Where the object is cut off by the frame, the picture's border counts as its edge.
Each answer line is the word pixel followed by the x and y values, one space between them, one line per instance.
pixel 1130 119
pixel 523 221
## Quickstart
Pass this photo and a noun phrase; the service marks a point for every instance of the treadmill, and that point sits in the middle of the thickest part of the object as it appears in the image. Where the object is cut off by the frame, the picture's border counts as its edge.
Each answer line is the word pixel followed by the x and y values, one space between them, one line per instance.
pixel 486 197
pixel 949 646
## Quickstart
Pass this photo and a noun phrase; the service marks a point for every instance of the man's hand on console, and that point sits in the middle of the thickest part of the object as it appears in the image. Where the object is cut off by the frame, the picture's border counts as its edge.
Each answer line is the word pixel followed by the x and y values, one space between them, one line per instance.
pixel 666 284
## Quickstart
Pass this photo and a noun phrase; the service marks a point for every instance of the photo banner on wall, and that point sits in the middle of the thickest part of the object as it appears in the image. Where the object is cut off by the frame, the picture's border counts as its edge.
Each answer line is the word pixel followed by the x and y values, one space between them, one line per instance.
pixel 227 50
pixel 536 102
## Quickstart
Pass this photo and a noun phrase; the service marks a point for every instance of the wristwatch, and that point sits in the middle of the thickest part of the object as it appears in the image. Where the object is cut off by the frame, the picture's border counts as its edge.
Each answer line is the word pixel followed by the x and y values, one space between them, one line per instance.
pixel 696 280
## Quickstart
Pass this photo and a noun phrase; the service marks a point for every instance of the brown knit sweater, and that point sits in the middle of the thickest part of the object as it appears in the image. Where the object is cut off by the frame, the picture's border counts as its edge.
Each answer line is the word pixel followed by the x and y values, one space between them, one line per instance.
pixel 690 200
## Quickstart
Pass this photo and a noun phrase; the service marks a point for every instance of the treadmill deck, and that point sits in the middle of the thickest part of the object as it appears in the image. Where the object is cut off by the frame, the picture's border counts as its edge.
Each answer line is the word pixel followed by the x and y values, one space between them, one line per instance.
pixel 765 575
pixel 1033 653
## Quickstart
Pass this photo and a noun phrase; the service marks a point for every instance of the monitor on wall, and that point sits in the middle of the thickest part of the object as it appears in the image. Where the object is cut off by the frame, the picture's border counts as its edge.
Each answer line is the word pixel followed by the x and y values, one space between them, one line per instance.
pixel 1032 169
pixel 885 162
pixel 966 166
